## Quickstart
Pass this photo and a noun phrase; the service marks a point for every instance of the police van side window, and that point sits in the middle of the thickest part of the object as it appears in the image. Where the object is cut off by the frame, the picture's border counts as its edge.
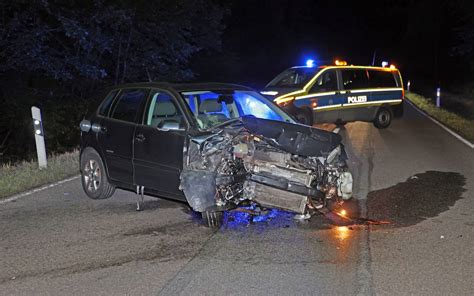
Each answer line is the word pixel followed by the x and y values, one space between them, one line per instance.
pixel 128 104
pixel 355 79
pixel 379 79
pixel 327 81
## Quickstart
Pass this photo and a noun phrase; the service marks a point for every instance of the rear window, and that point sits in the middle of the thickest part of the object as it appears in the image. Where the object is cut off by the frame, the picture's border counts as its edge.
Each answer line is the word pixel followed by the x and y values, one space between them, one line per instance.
pixel 379 79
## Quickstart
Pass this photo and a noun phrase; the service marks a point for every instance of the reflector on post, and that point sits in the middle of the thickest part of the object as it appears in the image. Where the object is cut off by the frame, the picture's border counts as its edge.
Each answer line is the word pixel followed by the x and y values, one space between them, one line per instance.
pixel 39 137
pixel 438 97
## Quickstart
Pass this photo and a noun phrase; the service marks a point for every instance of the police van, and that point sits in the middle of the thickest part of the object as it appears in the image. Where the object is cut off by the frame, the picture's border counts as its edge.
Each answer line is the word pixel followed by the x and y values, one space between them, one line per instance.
pixel 339 94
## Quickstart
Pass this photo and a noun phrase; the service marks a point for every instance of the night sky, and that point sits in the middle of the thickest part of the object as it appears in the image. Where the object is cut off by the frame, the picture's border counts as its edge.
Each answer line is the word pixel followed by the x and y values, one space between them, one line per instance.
pixel 420 37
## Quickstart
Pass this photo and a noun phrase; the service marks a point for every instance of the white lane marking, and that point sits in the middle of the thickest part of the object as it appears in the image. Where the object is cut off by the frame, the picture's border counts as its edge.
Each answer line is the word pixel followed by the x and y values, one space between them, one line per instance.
pixel 336 130
pixel 457 136
pixel 21 195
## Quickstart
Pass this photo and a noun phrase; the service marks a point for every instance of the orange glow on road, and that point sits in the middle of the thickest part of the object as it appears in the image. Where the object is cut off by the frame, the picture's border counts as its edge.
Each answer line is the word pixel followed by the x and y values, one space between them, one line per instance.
pixel 342 232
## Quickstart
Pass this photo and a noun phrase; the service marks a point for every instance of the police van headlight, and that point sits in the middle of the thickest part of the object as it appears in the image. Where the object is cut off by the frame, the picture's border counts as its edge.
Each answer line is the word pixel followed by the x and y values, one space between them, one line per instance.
pixel 284 101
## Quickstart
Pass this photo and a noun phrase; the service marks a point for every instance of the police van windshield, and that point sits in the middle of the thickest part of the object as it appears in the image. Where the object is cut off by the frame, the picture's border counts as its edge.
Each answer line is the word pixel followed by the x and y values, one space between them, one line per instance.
pixel 294 77
pixel 211 108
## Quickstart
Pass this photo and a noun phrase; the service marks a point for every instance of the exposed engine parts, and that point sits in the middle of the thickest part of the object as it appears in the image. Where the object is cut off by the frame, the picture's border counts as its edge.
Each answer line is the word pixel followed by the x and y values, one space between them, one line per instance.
pixel 274 167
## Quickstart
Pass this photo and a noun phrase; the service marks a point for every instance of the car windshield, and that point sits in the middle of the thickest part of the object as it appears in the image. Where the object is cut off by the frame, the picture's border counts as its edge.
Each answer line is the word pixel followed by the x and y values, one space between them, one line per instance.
pixel 213 107
pixel 294 77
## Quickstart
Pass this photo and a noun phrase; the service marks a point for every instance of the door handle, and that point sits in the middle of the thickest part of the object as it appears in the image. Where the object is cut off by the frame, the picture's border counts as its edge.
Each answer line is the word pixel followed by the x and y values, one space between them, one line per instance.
pixel 140 137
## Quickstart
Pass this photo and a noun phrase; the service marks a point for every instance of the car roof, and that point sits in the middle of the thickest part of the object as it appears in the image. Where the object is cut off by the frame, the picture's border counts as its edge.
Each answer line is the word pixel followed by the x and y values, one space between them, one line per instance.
pixel 187 86
pixel 344 67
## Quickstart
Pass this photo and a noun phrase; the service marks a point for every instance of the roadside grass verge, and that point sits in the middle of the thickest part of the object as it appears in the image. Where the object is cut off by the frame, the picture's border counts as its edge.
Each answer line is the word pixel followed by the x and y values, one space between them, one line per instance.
pixel 26 175
pixel 459 124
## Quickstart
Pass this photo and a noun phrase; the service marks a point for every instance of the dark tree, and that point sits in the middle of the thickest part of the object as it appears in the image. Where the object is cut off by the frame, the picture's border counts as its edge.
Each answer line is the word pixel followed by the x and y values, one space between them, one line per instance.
pixel 57 53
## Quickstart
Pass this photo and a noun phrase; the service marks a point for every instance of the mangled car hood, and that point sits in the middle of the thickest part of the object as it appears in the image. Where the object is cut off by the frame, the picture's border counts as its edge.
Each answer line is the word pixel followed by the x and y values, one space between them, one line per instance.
pixel 293 138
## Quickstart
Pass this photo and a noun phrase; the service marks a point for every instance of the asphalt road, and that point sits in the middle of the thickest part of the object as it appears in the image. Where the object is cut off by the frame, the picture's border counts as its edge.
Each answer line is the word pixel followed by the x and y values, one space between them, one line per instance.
pixel 414 175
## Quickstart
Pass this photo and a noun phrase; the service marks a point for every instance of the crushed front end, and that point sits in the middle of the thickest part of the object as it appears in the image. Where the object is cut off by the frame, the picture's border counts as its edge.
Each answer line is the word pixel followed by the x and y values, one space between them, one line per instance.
pixel 273 164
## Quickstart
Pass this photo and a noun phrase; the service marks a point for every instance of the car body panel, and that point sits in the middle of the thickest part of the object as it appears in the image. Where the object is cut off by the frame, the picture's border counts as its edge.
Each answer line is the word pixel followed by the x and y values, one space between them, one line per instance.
pixel 158 159
pixel 116 142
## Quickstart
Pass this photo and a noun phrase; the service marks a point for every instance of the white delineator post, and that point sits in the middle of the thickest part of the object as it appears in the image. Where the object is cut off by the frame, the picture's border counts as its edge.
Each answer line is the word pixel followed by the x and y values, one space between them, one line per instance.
pixel 39 137
pixel 408 86
pixel 438 97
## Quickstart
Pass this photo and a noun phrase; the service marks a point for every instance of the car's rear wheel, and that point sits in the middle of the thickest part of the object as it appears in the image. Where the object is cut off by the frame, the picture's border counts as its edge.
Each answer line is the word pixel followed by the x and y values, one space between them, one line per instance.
pixel 213 219
pixel 383 118
pixel 304 116
pixel 93 176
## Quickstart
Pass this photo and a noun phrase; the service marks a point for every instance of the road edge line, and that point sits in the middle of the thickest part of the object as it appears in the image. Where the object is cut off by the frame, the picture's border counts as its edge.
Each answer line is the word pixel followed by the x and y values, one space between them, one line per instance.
pixel 453 133
pixel 27 193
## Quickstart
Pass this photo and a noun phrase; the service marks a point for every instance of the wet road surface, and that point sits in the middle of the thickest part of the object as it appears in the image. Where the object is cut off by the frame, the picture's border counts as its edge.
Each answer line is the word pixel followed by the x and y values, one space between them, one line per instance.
pixel 414 175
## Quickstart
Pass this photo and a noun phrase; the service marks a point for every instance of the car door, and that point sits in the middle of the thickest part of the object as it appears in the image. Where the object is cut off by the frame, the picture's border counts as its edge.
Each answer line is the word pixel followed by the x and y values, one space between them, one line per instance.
pixel 323 97
pixel 116 133
pixel 356 92
pixel 158 145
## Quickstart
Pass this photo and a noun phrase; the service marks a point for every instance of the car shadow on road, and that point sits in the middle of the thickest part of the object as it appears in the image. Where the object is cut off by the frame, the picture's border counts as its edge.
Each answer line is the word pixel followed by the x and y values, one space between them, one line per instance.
pixel 420 197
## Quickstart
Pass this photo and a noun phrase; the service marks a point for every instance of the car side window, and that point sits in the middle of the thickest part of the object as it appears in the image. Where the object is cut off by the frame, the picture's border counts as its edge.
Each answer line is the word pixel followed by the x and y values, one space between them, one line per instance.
pixel 105 106
pixel 378 79
pixel 128 104
pixel 163 109
pixel 327 81
pixel 355 79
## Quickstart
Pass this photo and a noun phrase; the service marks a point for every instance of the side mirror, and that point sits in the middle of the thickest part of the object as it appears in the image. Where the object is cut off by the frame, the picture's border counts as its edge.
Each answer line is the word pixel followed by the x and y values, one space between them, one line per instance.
pixel 170 126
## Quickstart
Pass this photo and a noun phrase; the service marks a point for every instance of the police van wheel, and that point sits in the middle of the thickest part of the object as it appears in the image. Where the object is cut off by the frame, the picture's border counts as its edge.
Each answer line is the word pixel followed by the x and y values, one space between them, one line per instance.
pixel 305 116
pixel 383 118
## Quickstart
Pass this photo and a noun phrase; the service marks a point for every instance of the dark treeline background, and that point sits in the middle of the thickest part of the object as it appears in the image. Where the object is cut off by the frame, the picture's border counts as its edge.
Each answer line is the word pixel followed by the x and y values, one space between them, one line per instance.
pixel 60 54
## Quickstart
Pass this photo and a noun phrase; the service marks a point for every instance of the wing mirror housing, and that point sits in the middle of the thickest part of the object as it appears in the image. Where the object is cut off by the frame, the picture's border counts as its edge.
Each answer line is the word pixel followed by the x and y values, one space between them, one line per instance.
pixel 170 126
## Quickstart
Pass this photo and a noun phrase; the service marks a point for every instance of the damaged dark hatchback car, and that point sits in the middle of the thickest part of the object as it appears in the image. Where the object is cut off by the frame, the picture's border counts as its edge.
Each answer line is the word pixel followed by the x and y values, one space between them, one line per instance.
pixel 214 146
